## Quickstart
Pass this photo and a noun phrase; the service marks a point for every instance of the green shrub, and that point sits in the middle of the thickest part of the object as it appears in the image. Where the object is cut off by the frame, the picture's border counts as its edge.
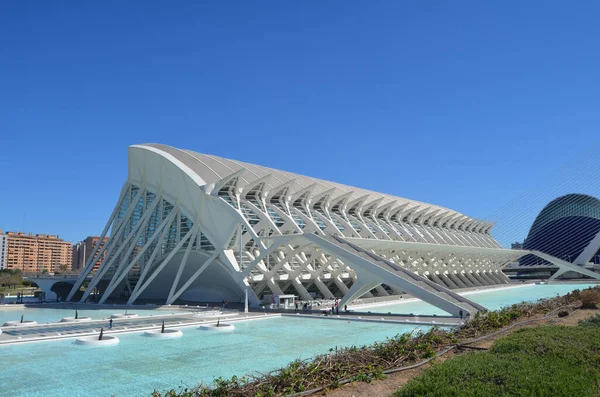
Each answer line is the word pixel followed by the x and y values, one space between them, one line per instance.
pixel 593 321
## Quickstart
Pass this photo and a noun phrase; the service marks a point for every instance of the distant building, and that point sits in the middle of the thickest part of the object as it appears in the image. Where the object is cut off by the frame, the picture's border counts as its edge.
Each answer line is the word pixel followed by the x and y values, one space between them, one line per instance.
pixel 516 246
pixel 83 250
pixel 2 251
pixel 76 260
pixel 567 228
pixel 37 253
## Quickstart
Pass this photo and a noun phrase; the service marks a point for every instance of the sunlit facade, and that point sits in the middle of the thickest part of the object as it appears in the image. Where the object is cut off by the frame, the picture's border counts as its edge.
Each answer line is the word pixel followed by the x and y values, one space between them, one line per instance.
pixel 192 227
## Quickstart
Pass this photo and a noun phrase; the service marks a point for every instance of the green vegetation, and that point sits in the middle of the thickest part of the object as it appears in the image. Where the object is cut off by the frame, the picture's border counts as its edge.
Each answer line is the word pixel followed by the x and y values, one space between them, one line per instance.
pixel 11 281
pixel 541 361
pixel 593 321
pixel 10 278
pixel 369 362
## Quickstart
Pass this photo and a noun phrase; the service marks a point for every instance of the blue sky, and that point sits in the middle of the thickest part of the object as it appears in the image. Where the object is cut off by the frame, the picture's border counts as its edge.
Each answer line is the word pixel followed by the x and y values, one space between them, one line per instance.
pixel 463 104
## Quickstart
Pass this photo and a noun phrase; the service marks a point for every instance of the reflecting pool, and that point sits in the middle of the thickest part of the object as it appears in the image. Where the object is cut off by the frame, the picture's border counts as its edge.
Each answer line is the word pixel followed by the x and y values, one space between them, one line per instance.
pixel 492 299
pixel 138 365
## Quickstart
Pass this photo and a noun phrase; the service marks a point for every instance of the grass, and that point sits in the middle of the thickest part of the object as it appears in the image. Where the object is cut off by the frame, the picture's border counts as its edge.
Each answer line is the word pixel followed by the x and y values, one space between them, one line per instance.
pixel 541 361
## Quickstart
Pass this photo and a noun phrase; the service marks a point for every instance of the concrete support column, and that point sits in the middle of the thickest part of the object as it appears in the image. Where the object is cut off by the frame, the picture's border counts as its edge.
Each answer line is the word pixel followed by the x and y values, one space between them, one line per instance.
pixel 478 277
pixel 457 281
pixel 466 281
pixel 451 284
pixel 486 277
pixel 327 294
pixel 503 277
pixel 473 280
pixel 436 279
pixel 302 291
pixel 494 277
pixel 396 290
pixel 340 284
pixel 381 291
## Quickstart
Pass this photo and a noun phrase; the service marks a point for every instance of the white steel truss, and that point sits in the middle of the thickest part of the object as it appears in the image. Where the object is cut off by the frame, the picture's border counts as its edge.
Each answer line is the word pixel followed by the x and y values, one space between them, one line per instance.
pixel 191 226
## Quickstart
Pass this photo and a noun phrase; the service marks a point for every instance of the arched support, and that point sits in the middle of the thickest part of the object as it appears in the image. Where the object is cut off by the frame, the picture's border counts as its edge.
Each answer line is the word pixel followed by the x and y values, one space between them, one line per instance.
pixel 566 266
pixel 357 290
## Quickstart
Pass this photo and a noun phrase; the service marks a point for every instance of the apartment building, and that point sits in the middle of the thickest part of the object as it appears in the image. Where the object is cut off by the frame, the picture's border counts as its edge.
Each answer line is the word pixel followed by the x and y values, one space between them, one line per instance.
pixel 37 253
pixel 2 250
pixel 83 250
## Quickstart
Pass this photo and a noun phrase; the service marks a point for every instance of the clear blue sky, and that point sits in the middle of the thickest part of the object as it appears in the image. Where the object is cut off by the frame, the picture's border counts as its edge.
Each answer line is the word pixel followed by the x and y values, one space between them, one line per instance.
pixel 464 104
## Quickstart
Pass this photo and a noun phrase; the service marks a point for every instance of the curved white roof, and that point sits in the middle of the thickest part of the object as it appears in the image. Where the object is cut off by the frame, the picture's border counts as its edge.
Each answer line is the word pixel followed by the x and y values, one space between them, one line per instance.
pixel 213 169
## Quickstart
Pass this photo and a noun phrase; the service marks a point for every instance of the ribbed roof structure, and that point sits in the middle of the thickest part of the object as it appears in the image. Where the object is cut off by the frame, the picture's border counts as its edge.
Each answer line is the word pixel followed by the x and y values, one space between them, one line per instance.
pixel 212 169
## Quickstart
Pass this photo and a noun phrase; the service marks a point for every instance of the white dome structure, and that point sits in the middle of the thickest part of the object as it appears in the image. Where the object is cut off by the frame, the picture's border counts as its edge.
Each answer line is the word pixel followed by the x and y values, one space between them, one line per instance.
pixel 196 227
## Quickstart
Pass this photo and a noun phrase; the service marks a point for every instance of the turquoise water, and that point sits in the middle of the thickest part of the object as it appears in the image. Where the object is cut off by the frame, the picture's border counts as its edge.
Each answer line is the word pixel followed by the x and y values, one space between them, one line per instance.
pixel 139 365
pixel 493 299
pixel 49 314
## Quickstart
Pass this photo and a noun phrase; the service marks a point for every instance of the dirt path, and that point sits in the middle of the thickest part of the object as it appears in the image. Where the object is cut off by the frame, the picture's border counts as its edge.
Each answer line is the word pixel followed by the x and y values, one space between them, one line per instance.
pixel 395 381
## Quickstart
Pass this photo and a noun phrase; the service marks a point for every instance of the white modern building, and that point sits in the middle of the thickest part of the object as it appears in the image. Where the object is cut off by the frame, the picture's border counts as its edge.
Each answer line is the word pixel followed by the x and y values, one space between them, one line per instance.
pixel 194 227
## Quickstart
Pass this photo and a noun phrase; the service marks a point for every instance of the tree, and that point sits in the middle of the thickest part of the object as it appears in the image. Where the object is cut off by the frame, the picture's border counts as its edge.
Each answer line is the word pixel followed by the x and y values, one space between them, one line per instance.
pixel 10 277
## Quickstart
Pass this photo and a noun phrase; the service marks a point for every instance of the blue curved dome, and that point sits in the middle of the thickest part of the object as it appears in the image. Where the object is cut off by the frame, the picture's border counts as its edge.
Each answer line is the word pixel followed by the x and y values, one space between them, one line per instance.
pixel 563 228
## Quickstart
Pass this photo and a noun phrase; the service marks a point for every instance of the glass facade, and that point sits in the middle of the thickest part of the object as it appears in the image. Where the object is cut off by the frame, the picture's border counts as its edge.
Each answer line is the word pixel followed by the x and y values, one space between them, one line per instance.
pixel 563 229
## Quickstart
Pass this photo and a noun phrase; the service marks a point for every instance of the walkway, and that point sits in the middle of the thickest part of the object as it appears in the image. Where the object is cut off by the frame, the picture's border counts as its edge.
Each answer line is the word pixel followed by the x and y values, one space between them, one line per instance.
pixel 56 331
pixel 53 331
pixel 440 321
